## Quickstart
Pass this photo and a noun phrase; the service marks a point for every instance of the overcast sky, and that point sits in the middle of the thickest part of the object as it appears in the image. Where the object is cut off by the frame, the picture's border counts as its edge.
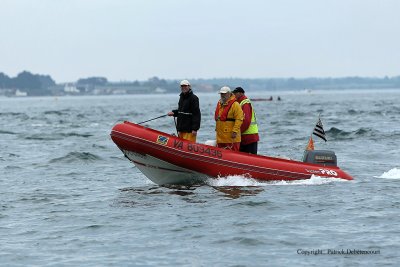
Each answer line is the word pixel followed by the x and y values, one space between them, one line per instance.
pixel 176 39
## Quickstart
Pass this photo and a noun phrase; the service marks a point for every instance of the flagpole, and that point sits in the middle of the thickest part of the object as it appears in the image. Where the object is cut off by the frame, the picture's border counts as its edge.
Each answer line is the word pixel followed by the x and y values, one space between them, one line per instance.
pixel 318 130
pixel 312 131
pixel 319 117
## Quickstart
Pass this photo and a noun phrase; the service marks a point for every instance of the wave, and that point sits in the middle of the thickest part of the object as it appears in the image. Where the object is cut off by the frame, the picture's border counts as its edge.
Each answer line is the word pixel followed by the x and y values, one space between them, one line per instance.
pixel 20 115
pixel 391 174
pixel 11 113
pixel 284 123
pixel 58 112
pixel 336 133
pixel 76 157
pixel 6 158
pixel 42 137
pixel 296 113
pixel 76 134
pixel 12 167
pixel 291 132
pixel 57 136
pixel 6 132
pixel 381 112
pixel 352 111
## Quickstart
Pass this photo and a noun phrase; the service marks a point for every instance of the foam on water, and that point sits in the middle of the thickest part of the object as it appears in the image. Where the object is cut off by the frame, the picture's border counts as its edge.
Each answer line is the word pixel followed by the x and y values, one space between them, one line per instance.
pixel 391 174
pixel 233 180
pixel 240 180
pixel 314 180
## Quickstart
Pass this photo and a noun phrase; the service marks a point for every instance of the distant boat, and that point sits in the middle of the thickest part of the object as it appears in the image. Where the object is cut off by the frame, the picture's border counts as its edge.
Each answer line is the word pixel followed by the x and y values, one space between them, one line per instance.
pixel 262 99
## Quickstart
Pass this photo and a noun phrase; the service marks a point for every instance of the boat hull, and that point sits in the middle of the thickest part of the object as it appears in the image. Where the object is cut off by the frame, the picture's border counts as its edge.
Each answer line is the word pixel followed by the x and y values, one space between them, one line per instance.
pixel 167 159
pixel 162 172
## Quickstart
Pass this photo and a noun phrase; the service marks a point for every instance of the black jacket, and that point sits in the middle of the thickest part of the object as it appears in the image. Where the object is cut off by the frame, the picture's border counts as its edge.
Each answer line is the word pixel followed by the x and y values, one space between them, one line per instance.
pixel 188 113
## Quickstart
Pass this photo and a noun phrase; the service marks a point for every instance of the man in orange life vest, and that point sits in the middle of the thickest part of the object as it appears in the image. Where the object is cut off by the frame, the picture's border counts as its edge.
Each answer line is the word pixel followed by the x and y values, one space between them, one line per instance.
pixel 229 118
pixel 249 128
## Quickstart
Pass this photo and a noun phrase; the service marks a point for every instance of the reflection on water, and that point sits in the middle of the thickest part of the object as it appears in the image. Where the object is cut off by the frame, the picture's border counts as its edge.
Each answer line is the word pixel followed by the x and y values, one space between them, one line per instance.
pixel 144 196
pixel 239 191
pixel 181 190
pixel 141 190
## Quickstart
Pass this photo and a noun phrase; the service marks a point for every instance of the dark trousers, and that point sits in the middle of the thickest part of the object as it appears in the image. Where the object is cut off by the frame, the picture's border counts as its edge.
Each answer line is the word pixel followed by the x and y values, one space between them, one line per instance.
pixel 249 148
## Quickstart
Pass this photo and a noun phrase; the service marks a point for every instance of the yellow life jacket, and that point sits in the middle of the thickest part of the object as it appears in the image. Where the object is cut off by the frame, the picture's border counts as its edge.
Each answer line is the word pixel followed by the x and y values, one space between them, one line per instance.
pixel 253 128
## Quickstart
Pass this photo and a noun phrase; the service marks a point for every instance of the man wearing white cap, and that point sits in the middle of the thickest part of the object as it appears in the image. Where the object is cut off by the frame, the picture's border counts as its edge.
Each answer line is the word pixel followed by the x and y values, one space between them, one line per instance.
pixel 188 113
pixel 229 118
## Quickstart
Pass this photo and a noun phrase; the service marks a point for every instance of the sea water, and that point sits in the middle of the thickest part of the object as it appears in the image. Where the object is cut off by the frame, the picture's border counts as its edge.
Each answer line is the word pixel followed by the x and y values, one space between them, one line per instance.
pixel 69 197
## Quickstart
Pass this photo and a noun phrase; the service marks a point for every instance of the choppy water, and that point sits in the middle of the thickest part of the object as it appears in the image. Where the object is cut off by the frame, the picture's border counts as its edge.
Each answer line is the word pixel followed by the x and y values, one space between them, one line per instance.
pixel 69 197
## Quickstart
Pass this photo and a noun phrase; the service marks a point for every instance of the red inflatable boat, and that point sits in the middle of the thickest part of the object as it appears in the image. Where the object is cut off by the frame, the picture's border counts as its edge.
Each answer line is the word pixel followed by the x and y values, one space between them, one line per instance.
pixel 167 159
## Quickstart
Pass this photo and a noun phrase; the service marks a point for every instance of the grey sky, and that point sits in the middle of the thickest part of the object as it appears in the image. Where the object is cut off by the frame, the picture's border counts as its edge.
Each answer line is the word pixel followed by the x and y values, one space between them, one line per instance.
pixel 176 39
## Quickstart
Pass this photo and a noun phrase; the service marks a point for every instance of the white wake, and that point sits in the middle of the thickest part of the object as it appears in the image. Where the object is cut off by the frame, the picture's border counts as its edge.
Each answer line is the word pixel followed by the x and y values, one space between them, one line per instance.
pixel 391 174
pixel 239 180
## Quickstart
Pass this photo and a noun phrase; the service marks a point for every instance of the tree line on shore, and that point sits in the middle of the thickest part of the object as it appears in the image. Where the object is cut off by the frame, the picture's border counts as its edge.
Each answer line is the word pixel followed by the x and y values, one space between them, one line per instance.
pixel 37 84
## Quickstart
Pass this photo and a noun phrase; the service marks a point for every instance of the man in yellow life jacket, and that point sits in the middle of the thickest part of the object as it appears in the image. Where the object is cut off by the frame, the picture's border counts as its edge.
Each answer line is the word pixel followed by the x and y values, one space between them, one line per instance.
pixel 249 127
pixel 229 118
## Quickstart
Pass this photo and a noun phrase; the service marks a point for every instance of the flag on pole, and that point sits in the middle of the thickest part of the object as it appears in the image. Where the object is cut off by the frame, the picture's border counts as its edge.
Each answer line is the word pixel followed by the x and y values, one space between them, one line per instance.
pixel 319 130
pixel 310 145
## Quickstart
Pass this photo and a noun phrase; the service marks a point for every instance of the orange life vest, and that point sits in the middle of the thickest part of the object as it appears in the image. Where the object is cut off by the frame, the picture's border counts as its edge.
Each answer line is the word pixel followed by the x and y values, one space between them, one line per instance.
pixel 224 114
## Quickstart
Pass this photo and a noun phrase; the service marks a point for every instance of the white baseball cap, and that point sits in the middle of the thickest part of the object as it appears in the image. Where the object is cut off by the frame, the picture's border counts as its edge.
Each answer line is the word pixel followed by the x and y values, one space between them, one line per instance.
pixel 224 90
pixel 185 82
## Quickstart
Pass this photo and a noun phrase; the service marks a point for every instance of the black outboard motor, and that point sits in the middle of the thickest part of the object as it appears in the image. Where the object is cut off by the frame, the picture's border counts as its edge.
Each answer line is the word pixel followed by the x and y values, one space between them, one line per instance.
pixel 322 157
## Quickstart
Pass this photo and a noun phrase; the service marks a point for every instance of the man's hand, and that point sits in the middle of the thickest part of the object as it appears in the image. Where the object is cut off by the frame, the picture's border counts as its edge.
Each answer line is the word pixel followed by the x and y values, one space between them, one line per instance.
pixel 170 113
pixel 194 132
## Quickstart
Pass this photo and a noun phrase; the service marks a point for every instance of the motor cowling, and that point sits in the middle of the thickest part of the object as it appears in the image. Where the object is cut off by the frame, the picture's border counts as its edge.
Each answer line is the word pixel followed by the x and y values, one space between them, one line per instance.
pixel 322 157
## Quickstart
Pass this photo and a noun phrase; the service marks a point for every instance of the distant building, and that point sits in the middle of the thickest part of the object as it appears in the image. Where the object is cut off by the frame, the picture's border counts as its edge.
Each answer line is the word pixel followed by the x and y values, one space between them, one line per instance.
pixel 160 90
pixel 20 93
pixel 71 88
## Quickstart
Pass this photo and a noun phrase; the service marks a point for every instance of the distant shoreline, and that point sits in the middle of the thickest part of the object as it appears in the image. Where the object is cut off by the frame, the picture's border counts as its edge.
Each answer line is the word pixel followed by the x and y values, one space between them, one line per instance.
pixel 28 84
pixel 252 93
